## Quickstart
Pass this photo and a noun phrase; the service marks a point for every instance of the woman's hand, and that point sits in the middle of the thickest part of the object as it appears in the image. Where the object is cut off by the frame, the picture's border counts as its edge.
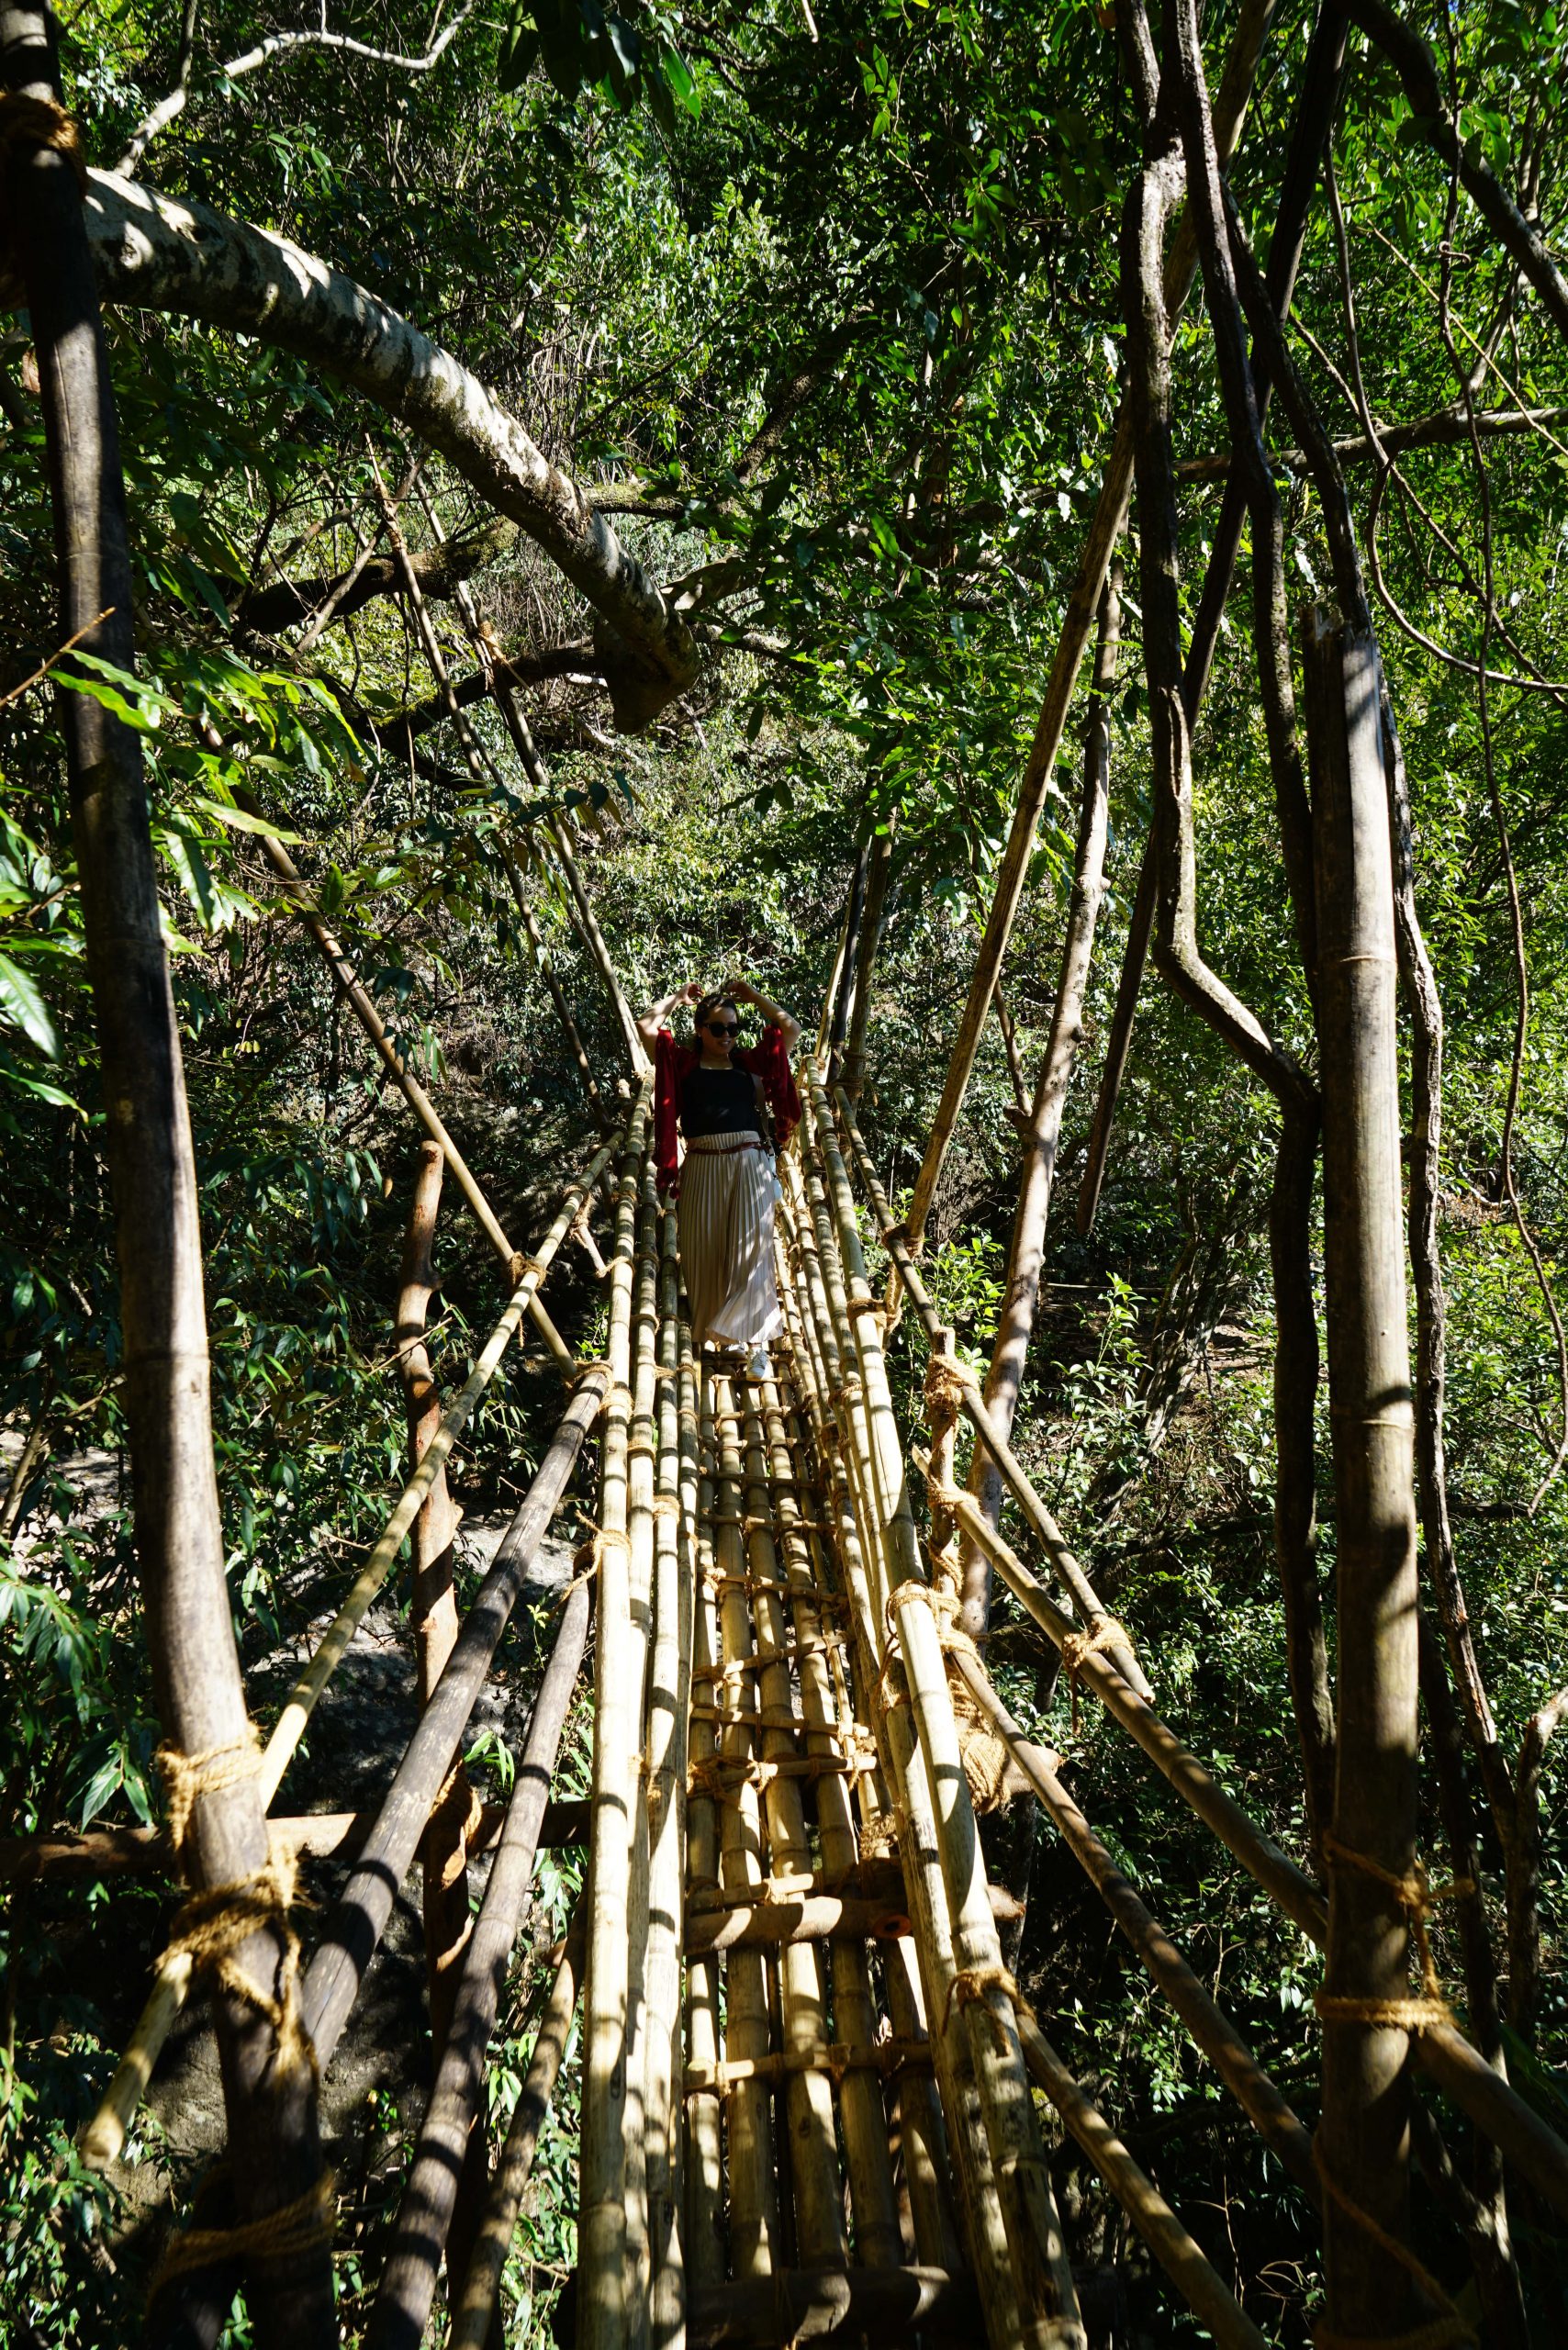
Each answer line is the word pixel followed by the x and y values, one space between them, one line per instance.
pixel 650 1021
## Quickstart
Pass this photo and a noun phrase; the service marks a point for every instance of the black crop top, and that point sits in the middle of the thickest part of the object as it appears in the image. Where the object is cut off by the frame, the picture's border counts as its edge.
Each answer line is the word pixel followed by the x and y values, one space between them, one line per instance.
pixel 719 1102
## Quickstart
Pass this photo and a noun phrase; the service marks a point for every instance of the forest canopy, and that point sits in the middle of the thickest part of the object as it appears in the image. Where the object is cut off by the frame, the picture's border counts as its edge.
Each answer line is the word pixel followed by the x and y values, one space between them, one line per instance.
pixel 621 497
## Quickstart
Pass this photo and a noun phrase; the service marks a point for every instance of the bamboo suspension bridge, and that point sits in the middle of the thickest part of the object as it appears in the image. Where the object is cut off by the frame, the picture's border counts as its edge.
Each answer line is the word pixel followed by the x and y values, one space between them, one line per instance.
pixel 812 2094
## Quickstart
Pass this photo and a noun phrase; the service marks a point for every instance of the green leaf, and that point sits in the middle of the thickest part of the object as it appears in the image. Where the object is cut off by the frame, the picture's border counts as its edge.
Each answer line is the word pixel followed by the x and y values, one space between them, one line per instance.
pixel 243 822
pixel 682 85
pixel 21 1003
pixel 518 50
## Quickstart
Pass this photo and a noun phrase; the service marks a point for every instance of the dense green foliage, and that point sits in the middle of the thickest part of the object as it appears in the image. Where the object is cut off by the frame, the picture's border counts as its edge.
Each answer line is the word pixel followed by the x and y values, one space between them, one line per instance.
pixel 829 314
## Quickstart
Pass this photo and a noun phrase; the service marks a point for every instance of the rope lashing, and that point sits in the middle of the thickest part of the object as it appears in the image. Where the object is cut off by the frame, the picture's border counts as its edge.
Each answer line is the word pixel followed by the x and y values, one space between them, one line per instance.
pixel 1105 1632
pixel 1418 1897
pixel 294 2228
pixel 1434 2334
pixel 600 1364
pixel 210 1773
pixel 972 1982
pixel 871 1309
pixel 947 1385
pixel 667 1505
pixel 521 1266
pixel 40 122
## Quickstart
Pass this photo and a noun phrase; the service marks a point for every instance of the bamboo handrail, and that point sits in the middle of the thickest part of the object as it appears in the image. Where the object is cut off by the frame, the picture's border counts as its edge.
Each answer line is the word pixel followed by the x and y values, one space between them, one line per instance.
pixel 973 1405
pixel 1199 2283
pixel 1208 2024
pixel 472 2315
pixel 102 2137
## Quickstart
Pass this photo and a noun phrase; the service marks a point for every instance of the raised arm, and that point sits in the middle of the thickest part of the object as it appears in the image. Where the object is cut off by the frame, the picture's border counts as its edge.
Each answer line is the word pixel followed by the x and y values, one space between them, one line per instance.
pixel 748 994
pixel 650 1021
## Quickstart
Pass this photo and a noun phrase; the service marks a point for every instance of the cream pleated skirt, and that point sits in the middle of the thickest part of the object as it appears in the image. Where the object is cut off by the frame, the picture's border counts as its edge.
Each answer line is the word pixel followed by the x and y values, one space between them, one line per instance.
pixel 726 1241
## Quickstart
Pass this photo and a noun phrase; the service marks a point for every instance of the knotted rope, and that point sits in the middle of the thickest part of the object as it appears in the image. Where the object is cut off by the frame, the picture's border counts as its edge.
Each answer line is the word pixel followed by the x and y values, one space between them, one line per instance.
pixel 210 1930
pixel 972 1982
pixel 1418 1897
pixel 521 1267
pixel 1434 2334
pixel 947 1386
pixel 294 2228
pixel 1078 1646
pixel 40 122
pixel 984 1753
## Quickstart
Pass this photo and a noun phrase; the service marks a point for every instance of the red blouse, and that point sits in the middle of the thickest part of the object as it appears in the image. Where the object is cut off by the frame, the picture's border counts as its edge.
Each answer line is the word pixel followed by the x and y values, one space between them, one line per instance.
pixel 673 1064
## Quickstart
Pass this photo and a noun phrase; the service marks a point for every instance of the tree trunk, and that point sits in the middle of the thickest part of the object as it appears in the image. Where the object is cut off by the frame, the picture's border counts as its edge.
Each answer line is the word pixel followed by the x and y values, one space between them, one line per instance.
pixel 1364 2137
pixel 1027 1255
pixel 270 2099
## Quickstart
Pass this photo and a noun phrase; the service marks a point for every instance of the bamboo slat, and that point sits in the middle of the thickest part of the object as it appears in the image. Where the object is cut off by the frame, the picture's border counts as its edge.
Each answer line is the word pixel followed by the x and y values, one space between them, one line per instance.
pixel 705 2233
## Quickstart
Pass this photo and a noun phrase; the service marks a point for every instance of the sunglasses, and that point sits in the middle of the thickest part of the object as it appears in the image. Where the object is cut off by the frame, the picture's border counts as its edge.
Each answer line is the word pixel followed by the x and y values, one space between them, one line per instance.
pixel 724 1028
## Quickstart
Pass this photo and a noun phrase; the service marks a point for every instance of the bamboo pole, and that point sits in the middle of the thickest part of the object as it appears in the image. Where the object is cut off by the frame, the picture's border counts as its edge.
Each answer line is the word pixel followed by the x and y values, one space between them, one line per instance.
pixel 670 1698
pixel 430 2215
pixel 1208 2025
pixel 602 2314
pixel 754 2198
pixel 636 1052
pixel 640 1455
pixel 471 2318
pixel 876 2305
pixel 1100 1624
pixel 100 2141
pixel 873 915
pixel 358 1001
pixel 829 1028
pixel 315 1835
pixel 874 2205
pixel 1290 1890
pixel 1364 2136
pixel 1026 1245
pixel 165 1376
pixel 985 2230
pixel 818 2195
pixel 1194 2278
pixel 921 2138
pixel 1110 517
pixel 359 1917
pixel 443 1858
pixel 1048 2300
pixel 705 2239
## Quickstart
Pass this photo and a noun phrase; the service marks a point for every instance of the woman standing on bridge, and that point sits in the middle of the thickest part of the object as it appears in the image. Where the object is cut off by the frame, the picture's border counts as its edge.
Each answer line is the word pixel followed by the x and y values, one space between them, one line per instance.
pixel 721 1100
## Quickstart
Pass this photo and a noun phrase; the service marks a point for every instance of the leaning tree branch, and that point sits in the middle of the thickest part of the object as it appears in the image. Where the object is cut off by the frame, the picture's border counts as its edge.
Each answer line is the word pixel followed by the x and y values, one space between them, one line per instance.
pixel 170 108
pixel 440 570
pixel 164 253
pixel 1445 428
pixel 1416 67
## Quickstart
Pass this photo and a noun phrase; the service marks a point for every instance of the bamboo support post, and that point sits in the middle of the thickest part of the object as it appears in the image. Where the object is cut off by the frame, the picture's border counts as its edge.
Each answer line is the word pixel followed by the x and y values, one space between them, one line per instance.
pixel 1365 2004
pixel 1194 2275
pixel 593 938
pixel 431 2214
pixel 103 2137
pixel 445 1855
pixel 472 2315
pixel 1049 1534
pixel 1047 2302
pixel 359 1918
pixel 602 2312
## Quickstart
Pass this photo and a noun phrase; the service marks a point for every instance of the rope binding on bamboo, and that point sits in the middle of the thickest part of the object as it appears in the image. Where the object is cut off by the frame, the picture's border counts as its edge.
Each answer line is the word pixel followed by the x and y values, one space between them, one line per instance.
pixel 987 1762
pixel 521 1268
pixel 283 2234
pixel 1449 2327
pixel 948 1384
pixel 1104 1633
pixel 971 1984
pixel 41 123
pixel 1418 1897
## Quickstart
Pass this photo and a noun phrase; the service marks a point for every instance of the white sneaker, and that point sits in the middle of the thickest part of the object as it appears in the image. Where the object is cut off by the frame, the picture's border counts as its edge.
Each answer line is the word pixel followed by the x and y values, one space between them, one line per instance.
pixel 760 1366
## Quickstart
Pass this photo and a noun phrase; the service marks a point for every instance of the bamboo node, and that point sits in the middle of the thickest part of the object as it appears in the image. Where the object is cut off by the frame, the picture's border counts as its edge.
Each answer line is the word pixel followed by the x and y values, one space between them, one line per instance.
pixel 295 2228
pixel 1078 1646
pixel 188 1777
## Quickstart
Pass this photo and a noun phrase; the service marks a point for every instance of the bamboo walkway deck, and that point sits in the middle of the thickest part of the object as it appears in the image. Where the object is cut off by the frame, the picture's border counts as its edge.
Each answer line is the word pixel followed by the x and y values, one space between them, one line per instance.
pixel 812 2096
